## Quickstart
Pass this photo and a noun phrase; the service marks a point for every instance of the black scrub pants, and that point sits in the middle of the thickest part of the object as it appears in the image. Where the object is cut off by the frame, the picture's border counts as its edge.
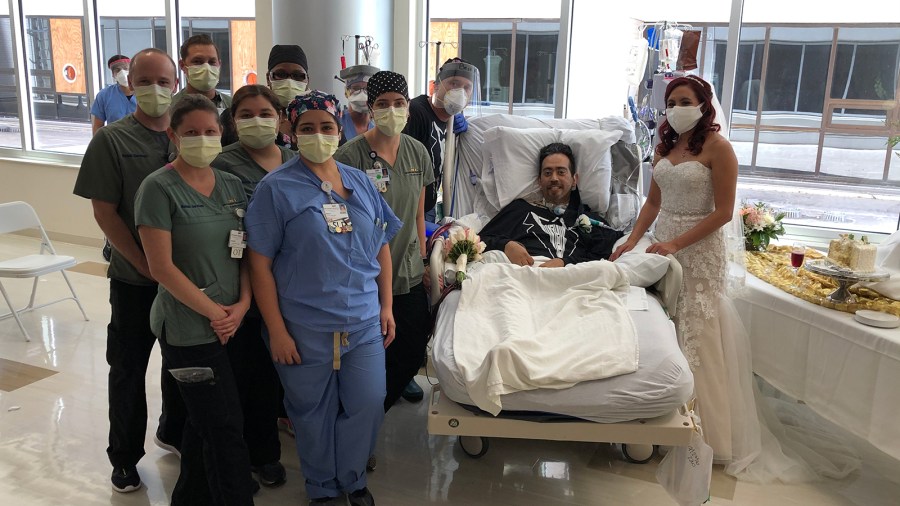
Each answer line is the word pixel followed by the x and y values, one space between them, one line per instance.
pixel 215 465
pixel 404 356
pixel 129 343
pixel 258 388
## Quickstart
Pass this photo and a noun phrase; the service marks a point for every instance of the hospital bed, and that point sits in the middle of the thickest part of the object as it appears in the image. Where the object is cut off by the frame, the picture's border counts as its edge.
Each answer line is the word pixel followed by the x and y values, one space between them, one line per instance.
pixel 639 410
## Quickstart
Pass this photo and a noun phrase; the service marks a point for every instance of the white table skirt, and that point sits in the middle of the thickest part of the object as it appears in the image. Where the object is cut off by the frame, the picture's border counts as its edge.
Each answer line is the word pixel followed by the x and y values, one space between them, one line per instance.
pixel 847 372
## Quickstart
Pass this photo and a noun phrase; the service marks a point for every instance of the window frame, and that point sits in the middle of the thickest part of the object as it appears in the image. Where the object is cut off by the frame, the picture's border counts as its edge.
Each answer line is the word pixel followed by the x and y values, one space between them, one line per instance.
pixel 94 69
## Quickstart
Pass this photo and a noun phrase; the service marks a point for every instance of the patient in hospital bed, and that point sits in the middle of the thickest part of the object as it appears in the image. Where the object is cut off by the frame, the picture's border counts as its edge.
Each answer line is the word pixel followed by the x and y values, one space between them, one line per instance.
pixel 556 340
pixel 556 226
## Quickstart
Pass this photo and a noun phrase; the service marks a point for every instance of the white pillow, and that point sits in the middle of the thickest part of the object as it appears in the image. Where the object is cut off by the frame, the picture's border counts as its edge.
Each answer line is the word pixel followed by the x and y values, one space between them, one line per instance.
pixel 644 269
pixel 511 155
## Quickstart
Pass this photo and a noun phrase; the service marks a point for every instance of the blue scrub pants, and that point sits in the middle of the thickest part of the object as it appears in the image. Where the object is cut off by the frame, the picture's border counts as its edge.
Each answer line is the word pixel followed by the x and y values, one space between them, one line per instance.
pixel 336 412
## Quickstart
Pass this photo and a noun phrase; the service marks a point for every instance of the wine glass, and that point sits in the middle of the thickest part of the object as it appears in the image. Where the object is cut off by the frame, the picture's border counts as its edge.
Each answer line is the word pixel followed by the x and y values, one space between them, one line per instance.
pixel 798 252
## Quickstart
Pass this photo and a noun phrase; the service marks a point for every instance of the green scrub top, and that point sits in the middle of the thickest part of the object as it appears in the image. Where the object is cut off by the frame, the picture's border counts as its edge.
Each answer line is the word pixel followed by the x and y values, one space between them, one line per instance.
pixel 200 228
pixel 118 158
pixel 221 101
pixel 410 173
pixel 234 159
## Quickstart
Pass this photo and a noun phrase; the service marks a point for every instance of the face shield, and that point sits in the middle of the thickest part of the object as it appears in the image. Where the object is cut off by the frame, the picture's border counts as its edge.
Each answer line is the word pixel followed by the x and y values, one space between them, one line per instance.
pixel 459 89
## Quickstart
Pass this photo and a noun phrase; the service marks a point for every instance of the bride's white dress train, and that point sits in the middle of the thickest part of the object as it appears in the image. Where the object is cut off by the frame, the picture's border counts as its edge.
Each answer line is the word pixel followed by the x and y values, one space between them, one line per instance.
pixel 758 439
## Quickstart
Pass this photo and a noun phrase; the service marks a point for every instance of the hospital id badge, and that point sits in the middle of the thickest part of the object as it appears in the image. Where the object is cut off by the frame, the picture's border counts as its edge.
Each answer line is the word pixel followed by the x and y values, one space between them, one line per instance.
pixel 237 241
pixel 337 218
pixel 380 178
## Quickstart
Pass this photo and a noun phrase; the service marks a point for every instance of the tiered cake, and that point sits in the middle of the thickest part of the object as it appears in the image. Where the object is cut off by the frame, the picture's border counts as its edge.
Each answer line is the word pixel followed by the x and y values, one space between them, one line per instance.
pixel 856 255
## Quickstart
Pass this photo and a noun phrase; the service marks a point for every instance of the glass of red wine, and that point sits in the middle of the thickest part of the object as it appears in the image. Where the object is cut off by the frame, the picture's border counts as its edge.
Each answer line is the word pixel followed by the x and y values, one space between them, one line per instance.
pixel 798 252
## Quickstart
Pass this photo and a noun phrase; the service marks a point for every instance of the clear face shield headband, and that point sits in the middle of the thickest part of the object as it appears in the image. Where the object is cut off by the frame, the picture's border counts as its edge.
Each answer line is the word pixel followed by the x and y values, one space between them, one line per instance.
pixel 460 75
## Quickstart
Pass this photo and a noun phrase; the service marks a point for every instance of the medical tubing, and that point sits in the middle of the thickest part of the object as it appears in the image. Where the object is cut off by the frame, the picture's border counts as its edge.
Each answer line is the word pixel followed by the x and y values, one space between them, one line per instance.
pixel 448 177
pixel 455 181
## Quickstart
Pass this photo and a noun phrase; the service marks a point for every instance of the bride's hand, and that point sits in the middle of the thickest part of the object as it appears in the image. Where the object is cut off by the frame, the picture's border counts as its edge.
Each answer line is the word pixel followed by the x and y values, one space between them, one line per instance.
pixel 663 248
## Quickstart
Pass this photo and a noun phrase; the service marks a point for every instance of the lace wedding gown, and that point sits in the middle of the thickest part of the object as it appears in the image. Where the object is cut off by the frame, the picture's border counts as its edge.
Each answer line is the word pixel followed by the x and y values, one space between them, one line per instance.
pixel 758 439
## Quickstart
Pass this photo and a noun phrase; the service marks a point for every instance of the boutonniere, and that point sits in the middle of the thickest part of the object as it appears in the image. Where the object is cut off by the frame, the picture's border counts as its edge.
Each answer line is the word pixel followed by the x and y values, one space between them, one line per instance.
pixel 584 224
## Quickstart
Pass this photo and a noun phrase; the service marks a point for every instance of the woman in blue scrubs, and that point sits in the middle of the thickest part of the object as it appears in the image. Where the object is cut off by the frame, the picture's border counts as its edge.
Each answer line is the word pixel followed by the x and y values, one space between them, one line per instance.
pixel 318 233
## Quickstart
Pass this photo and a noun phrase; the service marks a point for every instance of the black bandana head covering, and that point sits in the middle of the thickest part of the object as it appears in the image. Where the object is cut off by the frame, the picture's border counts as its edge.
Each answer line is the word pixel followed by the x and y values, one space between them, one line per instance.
pixel 287 53
pixel 386 82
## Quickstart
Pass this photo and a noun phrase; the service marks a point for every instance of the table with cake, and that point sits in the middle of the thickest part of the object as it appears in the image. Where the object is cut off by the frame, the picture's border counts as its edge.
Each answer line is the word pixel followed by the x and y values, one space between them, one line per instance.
pixel 813 348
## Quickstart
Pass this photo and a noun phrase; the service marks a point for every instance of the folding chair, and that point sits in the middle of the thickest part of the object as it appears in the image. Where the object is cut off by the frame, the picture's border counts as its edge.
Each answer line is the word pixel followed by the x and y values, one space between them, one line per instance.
pixel 15 216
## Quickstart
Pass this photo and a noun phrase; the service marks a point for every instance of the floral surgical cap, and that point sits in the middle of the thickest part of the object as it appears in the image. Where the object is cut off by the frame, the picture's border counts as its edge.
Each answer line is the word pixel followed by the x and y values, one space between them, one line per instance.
pixel 314 100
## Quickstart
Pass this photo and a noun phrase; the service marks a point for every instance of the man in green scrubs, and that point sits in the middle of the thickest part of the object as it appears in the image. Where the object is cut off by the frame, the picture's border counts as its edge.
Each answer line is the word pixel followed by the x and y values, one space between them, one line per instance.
pixel 115 163
pixel 201 65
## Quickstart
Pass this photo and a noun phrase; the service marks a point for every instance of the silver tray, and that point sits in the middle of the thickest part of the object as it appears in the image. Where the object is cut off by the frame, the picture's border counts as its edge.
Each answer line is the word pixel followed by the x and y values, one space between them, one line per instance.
pixel 844 277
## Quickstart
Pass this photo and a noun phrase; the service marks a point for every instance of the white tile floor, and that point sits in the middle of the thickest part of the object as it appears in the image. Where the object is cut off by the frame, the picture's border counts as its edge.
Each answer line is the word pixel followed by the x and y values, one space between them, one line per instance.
pixel 53 436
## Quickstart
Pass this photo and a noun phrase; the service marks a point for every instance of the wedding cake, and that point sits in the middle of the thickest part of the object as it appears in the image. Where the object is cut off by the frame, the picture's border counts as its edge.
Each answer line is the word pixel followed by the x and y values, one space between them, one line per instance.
pixel 856 255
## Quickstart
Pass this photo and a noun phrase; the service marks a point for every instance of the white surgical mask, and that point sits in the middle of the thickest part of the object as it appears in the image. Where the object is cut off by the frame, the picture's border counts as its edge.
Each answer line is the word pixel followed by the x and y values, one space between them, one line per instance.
pixel 203 77
pixel 683 118
pixel 359 101
pixel 391 120
pixel 256 132
pixel 200 150
pixel 122 78
pixel 153 99
pixel 455 101
pixel 287 89
pixel 317 147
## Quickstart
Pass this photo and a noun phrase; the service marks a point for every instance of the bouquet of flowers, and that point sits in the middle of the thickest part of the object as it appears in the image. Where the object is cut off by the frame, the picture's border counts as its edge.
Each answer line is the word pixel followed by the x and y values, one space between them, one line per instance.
pixel 463 246
pixel 761 225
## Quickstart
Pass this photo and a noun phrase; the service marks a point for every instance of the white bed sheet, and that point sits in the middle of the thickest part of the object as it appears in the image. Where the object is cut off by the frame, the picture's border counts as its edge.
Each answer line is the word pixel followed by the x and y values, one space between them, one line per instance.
pixel 662 382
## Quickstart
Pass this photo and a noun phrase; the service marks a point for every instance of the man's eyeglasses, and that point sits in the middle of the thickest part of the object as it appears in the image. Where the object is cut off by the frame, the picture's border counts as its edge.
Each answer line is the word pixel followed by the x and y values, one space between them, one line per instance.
pixel 280 75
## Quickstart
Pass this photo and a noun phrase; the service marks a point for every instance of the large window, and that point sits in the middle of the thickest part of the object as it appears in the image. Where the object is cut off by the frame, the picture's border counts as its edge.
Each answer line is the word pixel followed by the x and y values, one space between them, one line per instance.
pixel 513 44
pixel 516 59
pixel 9 100
pixel 61 73
pixel 816 105
pixel 56 78
pixel 127 36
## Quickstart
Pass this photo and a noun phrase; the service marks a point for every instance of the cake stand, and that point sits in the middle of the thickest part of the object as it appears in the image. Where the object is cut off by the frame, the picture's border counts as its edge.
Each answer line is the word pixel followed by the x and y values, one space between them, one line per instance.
pixel 844 278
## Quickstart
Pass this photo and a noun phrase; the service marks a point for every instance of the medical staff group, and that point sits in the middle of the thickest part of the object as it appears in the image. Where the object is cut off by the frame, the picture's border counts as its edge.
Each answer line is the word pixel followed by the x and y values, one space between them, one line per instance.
pixel 272 243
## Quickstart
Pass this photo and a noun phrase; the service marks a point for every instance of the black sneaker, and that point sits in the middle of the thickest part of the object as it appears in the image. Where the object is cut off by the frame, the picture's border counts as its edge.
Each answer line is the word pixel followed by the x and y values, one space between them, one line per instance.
pixel 125 479
pixel 413 392
pixel 169 447
pixel 271 475
pixel 361 497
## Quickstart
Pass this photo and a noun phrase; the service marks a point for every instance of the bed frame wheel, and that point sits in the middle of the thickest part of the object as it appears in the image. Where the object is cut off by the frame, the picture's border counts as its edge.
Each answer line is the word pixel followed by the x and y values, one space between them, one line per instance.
pixel 638 454
pixel 473 446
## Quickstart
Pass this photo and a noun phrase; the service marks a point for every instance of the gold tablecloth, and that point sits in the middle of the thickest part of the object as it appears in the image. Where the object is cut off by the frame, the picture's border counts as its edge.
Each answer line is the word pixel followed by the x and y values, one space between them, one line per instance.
pixel 774 267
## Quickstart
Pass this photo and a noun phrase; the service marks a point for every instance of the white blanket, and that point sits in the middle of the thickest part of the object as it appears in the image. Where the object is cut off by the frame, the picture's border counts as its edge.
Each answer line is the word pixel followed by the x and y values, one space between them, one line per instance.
pixel 522 328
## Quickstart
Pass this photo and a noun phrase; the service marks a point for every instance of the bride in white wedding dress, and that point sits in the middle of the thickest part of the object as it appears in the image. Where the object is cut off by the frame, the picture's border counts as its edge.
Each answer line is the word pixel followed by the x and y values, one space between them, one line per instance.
pixel 691 198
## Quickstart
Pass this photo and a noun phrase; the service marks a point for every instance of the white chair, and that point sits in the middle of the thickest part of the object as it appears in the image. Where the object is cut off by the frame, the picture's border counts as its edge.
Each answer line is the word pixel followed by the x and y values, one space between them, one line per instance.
pixel 16 216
